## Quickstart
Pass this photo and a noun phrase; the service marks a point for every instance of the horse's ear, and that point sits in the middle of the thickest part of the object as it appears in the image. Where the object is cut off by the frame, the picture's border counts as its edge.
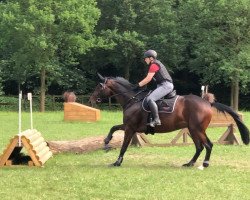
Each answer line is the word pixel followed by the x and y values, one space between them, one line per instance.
pixel 102 85
pixel 101 77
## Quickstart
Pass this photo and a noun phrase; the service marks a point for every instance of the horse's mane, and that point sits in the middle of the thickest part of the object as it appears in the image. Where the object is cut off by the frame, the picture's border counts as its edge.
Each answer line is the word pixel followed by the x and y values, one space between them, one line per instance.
pixel 123 82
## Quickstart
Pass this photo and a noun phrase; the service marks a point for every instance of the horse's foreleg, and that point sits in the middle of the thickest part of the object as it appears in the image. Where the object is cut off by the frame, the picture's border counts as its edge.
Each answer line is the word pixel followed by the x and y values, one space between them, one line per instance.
pixel 110 135
pixel 127 138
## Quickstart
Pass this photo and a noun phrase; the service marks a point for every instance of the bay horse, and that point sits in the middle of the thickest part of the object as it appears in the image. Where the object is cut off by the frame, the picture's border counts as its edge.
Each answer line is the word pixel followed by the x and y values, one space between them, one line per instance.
pixel 191 111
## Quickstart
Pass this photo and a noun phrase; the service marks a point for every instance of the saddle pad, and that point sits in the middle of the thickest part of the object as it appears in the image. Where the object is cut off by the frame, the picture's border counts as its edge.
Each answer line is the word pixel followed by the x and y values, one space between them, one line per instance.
pixel 164 105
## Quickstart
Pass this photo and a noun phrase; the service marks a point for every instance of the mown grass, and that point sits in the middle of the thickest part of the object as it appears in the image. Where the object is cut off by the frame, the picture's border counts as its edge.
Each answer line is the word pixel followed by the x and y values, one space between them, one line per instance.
pixel 146 173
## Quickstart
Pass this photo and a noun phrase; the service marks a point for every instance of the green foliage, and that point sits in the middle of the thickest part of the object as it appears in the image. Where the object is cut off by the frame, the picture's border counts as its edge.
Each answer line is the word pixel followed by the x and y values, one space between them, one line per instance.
pixel 8 103
pixel 1 81
pixel 75 39
pixel 11 104
pixel 46 34
pixel 217 39
pixel 133 27
pixel 11 100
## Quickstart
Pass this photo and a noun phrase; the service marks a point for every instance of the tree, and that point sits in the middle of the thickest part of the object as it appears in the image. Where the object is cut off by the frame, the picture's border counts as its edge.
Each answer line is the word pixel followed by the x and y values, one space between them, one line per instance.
pixel 1 86
pixel 217 34
pixel 133 27
pixel 43 37
pixel 117 24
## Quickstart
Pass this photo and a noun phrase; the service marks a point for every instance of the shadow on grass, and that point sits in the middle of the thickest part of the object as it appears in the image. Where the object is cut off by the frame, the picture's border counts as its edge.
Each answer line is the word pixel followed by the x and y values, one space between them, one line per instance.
pixel 127 165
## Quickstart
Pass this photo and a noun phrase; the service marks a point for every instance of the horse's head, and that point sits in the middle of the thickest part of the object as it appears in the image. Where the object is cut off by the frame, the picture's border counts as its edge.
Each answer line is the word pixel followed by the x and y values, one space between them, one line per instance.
pixel 110 86
pixel 100 91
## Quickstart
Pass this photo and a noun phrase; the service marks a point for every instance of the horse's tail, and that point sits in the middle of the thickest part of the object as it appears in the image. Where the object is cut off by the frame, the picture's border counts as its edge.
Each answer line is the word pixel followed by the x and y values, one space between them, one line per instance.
pixel 244 132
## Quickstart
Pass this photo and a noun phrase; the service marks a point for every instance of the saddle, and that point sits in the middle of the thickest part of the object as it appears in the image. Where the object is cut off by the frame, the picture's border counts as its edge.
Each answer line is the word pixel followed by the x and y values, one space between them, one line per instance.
pixel 165 105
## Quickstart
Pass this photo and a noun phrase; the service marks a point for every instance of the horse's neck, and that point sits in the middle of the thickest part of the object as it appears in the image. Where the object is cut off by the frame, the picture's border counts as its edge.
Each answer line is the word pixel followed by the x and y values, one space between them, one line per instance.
pixel 123 98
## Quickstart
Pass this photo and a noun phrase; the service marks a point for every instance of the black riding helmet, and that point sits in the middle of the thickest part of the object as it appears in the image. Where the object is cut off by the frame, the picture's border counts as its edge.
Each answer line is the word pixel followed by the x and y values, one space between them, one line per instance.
pixel 150 53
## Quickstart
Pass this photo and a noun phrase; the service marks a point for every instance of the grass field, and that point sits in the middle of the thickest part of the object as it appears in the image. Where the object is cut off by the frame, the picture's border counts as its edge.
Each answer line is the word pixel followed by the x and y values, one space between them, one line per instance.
pixel 146 173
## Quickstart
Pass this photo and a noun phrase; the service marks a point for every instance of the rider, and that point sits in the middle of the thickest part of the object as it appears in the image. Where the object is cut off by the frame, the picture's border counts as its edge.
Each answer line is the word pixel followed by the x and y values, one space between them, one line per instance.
pixel 159 73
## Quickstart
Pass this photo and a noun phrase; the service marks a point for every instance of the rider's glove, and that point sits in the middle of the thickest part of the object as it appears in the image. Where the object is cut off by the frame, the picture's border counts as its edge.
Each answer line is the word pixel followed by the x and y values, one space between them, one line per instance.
pixel 136 87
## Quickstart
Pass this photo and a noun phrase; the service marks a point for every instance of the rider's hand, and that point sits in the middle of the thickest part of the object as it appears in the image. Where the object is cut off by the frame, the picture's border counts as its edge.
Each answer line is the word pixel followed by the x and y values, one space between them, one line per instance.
pixel 136 87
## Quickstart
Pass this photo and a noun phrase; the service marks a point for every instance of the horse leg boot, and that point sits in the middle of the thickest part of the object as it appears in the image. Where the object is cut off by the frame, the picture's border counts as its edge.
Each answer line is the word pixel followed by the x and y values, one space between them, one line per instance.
pixel 154 109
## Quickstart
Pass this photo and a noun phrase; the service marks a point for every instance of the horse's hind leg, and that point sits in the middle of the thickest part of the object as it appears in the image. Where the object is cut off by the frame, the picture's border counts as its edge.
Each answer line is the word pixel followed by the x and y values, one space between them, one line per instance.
pixel 201 140
pixel 208 145
pixel 199 147
pixel 110 135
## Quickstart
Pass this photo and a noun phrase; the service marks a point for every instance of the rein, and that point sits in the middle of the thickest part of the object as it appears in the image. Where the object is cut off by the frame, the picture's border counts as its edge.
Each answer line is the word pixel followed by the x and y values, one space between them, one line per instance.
pixel 125 106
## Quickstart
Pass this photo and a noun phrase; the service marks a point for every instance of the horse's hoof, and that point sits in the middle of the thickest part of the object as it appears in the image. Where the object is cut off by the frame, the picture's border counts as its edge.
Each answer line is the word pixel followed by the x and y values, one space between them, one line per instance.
pixel 106 141
pixel 107 148
pixel 205 164
pixel 116 164
pixel 188 165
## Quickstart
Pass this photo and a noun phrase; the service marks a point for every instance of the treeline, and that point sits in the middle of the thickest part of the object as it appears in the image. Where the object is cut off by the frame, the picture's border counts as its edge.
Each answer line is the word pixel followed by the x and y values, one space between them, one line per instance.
pixel 49 46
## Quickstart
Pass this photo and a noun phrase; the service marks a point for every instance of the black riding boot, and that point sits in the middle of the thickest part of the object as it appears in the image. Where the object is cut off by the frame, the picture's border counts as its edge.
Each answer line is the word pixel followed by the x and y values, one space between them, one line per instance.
pixel 154 109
